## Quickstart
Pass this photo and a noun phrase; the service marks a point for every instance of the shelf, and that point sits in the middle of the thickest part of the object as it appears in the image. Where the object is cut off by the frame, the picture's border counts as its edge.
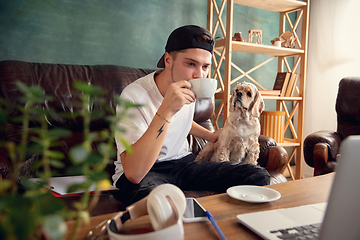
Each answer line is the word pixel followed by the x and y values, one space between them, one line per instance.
pixel 288 143
pixel 224 63
pixel 282 98
pixel 273 5
pixel 219 95
pixel 259 48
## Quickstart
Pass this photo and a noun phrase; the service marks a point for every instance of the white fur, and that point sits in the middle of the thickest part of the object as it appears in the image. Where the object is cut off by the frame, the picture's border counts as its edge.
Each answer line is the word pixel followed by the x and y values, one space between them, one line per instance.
pixel 238 140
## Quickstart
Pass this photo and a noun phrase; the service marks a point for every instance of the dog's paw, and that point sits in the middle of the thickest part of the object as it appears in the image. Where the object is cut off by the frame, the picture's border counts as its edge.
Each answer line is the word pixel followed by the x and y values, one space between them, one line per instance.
pixel 224 160
pixel 222 157
pixel 206 153
pixel 251 159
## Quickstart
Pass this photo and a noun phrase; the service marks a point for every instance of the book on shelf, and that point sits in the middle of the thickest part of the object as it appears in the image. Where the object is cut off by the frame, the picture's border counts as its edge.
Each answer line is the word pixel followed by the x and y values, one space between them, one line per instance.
pixel 281 82
pixel 292 84
pixel 269 92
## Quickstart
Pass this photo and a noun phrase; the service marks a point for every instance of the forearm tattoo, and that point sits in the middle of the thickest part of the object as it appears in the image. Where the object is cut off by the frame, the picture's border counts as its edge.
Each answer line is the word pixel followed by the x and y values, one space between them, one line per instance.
pixel 160 130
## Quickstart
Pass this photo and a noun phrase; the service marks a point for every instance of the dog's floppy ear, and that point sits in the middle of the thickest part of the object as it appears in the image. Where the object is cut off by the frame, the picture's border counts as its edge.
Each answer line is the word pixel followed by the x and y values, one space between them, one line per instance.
pixel 259 105
pixel 231 103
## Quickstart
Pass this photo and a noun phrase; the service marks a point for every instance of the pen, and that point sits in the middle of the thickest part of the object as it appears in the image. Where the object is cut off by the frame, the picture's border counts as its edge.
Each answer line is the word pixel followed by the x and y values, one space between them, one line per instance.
pixel 218 230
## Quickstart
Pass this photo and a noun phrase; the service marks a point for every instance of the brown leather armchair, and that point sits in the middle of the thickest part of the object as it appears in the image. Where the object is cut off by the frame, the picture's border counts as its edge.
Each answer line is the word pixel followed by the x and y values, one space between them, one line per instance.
pixel 57 81
pixel 322 147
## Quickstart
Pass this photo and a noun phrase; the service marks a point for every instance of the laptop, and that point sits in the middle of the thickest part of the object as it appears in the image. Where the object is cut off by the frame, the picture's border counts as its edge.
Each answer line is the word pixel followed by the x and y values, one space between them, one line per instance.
pixel 339 218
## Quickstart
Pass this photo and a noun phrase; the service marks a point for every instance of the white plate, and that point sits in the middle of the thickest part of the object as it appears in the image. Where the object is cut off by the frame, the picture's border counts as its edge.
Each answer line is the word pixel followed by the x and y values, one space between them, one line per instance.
pixel 253 194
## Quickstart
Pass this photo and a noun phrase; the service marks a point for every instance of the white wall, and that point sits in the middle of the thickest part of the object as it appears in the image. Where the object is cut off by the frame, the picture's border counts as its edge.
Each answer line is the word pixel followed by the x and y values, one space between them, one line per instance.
pixel 333 53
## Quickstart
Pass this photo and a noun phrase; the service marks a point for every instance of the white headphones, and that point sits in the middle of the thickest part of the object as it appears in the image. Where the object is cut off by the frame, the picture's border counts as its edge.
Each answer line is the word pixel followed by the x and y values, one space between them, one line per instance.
pixel 165 205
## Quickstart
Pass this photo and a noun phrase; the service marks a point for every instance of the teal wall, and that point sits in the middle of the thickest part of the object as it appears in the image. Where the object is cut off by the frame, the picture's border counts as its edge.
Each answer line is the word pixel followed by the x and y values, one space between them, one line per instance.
pixel 247 18
pixel 122 32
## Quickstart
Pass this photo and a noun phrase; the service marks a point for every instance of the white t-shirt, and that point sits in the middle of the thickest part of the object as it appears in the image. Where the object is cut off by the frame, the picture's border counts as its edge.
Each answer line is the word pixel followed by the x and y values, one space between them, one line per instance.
pixel 145 92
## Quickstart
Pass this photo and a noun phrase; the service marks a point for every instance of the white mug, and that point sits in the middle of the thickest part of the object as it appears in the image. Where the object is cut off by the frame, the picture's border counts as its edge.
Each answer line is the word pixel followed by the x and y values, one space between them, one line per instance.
pixel 203 87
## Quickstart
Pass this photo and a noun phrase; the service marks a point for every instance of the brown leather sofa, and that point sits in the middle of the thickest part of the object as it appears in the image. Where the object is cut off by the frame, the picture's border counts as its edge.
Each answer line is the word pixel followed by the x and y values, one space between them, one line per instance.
pixel 321 148
pixel 57 81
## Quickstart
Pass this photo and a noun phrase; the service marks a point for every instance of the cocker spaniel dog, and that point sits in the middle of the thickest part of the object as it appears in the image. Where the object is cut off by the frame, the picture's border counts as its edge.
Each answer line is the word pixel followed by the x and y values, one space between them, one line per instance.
pixel 238 140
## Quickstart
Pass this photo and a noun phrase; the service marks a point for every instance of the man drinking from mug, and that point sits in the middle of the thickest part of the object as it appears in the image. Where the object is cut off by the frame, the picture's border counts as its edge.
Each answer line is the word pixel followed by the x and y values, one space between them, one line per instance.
pixel 158 130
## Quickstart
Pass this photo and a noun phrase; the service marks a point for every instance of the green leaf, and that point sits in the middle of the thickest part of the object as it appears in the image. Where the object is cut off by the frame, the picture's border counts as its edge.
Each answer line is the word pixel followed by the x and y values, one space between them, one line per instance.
pixel 88 89
pixel 22 87
pixel 33 193
pixel 94 158
pixel 35 146
pixel 78 154
pixel 56 163
pixel 54 226
pixel 93 136
pixel 56 154
pixel 36 91
pixel 32 185
pixel 111 119
pixel 20 218
pixel 59 133
pixel 74 188
pixel 125 103
pixel 126 144
pixel 96 114
pixel 48 204
pixel 103 135
pixel 4 184
pixel 69 115
pixel 131 105
pixel 98 100
pixel 77 206
pixel 23 222
pixel 85 215
pixel 79 186
pixel 75 170
pixel 120 130
pixel 105 149
pixel 36 165
pixel 98 176
pixel 17 119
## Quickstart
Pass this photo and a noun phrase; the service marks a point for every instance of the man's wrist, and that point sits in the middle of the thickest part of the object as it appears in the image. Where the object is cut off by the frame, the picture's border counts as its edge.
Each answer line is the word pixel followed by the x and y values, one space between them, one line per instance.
pixel 157 114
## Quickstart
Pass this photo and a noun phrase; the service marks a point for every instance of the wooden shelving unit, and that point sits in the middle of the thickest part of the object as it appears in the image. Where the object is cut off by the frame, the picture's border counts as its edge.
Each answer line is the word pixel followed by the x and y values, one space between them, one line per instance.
pixel 223 55
pixel 259 48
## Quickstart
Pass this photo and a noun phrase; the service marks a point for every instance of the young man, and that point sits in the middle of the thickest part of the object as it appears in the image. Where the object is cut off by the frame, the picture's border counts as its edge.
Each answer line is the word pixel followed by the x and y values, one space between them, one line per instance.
pixel 158 129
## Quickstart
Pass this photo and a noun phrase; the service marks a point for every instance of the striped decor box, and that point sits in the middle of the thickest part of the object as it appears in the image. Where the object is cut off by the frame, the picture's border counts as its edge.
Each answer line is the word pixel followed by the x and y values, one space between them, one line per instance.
pixel 272 125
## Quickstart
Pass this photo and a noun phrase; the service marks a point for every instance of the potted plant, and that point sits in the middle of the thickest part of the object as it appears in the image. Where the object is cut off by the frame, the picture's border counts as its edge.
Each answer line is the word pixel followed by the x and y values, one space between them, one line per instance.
pixel 29 210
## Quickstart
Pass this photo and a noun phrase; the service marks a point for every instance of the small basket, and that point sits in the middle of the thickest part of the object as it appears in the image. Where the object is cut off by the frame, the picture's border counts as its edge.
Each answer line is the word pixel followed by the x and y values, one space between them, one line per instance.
pixel 272 125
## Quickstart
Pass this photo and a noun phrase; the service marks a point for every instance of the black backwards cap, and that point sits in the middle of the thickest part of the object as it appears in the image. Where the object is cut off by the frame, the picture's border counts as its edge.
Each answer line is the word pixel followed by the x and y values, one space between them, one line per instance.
pixel 186 37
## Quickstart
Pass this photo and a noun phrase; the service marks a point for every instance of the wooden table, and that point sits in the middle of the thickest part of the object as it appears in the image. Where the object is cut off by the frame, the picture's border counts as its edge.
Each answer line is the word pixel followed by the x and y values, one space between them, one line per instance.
pixel 224 209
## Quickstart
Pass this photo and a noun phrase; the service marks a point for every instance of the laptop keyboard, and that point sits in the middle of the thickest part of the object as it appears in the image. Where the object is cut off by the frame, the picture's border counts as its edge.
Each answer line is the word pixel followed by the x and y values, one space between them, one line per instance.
pixel 299 233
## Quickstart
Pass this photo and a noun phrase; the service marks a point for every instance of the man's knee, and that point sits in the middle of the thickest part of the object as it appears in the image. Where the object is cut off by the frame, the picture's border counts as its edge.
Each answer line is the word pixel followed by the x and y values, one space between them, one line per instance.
pixel 260 177
pixel 130 193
